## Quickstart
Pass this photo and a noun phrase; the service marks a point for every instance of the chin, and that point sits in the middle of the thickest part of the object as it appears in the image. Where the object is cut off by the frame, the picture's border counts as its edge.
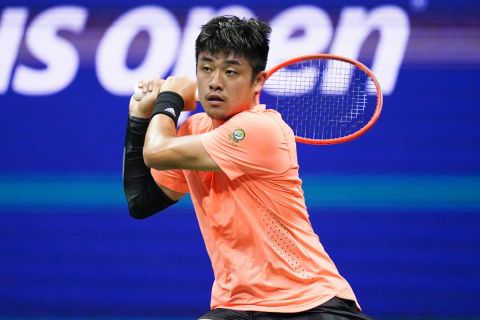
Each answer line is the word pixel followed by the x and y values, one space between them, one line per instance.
pixel 216 114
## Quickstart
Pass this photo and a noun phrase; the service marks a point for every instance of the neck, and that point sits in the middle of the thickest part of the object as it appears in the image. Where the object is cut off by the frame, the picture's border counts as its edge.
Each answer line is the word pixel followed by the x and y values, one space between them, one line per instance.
pixel 217 122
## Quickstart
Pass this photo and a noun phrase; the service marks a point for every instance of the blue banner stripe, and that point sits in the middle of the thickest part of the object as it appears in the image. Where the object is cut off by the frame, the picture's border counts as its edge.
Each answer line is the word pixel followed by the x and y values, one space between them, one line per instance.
pixel 81 192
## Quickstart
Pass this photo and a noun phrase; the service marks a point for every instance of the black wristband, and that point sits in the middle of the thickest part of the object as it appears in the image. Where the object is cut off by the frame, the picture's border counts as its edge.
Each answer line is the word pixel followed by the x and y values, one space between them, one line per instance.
pixel 169 103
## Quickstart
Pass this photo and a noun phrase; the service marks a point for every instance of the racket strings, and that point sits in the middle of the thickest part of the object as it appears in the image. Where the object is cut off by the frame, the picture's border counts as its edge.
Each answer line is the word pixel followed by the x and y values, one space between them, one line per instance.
pixel 321 99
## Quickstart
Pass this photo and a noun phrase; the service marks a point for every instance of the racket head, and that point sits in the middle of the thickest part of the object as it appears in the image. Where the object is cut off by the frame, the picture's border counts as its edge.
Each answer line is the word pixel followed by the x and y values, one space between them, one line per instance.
pixel 324 98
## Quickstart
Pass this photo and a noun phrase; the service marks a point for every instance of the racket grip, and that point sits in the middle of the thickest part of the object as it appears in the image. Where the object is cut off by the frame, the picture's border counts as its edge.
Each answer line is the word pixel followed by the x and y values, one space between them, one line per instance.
pixel 138 94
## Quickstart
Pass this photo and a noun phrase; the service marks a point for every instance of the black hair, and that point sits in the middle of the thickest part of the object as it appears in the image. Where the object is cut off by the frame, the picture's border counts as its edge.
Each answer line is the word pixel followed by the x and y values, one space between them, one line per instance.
pixel 246 37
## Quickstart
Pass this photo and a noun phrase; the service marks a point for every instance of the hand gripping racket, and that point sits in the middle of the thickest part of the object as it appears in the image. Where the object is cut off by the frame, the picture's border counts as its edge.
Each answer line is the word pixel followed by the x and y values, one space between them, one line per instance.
pixel 324 98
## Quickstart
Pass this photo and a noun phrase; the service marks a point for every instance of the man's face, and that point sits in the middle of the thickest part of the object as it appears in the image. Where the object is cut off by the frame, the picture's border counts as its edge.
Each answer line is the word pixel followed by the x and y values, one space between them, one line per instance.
pixel 225 85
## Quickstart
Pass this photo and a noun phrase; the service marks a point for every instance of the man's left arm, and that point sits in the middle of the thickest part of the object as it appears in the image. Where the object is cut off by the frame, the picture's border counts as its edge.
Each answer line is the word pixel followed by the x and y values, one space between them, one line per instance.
pixel 163 150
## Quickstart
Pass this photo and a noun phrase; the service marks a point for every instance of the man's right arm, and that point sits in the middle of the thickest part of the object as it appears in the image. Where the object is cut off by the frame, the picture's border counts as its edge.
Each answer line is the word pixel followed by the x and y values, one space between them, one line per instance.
pixel 144 196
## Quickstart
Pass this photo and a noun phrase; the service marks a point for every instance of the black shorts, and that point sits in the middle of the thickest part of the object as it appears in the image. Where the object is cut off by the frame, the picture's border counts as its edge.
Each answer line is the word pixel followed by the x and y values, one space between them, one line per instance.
pixel 333 309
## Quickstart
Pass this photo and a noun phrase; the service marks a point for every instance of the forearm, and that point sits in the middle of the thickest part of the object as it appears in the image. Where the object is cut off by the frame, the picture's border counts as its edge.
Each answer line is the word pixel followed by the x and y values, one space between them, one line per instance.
pixel 161 135
pixel 163 150
pixel 144 197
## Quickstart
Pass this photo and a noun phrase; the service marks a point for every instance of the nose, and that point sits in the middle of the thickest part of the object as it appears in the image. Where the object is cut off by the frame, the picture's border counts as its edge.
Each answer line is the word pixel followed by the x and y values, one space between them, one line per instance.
pixel 216 83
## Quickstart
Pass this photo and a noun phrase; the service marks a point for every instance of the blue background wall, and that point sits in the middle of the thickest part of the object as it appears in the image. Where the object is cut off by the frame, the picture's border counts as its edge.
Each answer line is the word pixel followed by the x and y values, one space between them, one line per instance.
pixel 398 209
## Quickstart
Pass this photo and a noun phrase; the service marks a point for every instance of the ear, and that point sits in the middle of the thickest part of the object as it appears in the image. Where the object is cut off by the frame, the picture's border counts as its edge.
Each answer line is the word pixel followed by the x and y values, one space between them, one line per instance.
pixel 260 81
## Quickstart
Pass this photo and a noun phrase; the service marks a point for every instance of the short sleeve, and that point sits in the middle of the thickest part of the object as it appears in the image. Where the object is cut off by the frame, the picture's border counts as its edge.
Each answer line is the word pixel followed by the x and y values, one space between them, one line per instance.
pixel 249 143
pixel 171 179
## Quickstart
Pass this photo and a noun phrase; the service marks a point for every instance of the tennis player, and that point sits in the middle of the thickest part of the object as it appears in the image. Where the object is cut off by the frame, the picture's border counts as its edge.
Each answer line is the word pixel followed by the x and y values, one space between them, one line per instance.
pixel 238 162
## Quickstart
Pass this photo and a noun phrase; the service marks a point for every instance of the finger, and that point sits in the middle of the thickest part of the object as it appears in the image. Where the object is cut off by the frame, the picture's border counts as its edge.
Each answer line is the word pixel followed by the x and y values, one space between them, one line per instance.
pixel 144 86
pixel 157 86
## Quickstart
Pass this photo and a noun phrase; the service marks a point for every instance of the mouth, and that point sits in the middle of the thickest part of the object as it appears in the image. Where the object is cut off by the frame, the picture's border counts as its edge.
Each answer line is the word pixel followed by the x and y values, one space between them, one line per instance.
pixel 215 99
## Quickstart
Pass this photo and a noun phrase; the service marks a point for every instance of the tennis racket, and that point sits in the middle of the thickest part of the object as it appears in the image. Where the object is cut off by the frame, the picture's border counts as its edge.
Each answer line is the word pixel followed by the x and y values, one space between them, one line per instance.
pixel 324 98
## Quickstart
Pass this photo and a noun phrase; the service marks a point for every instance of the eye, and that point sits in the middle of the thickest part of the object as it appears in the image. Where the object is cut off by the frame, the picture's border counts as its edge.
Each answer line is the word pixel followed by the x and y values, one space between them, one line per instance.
pixel 206 69
pixel 230 72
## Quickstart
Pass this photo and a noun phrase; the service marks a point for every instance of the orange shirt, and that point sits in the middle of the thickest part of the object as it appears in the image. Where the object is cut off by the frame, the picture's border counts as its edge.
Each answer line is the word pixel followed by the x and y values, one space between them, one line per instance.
pixel 252 215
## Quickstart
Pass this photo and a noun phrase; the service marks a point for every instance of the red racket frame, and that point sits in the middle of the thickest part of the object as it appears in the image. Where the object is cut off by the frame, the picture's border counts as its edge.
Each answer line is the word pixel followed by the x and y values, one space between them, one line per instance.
pixel 357 64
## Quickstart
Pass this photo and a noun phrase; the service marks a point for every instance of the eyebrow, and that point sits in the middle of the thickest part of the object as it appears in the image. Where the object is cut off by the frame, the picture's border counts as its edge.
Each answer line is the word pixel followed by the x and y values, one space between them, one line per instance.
pixel 228 62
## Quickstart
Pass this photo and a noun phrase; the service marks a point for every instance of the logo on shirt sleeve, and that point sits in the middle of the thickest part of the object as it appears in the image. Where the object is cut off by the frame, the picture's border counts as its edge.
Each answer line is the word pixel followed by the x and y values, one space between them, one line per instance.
pixel 237 136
